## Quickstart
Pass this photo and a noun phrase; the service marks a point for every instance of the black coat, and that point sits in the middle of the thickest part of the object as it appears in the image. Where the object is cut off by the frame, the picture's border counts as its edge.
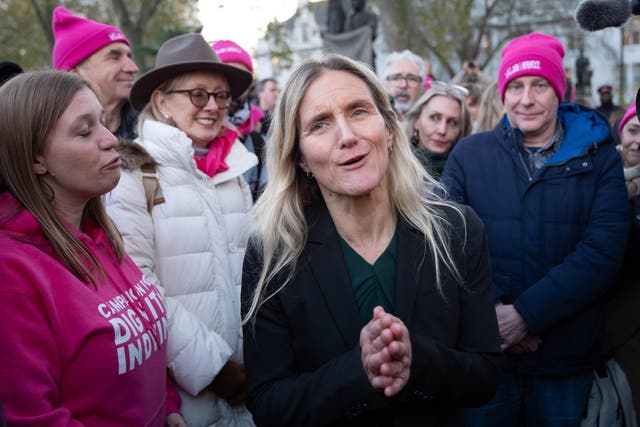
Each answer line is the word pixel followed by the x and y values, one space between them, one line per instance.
pixel 302 354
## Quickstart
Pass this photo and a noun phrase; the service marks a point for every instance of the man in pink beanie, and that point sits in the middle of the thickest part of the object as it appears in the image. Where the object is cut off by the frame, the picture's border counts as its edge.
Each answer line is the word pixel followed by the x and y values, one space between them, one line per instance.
pixel 548 184
pixel 100 54
pixel 244 115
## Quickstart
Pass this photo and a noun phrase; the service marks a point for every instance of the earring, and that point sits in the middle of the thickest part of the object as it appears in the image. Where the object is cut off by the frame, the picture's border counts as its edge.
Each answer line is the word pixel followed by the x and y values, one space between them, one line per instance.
pixel 390 148
pixel 415 138
pixel 309 175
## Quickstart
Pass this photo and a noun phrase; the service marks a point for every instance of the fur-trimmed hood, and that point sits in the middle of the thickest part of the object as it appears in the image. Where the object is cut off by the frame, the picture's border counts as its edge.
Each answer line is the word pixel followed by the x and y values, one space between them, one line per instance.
pixel 133 155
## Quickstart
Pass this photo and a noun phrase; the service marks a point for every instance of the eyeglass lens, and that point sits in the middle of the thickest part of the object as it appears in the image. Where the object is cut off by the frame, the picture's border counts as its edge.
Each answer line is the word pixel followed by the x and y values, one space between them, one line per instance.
pixel 410 79
pixel 200 97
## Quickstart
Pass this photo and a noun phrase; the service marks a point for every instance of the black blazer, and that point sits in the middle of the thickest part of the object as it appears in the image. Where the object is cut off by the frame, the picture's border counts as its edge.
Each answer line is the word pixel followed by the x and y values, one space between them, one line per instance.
pixel 302 353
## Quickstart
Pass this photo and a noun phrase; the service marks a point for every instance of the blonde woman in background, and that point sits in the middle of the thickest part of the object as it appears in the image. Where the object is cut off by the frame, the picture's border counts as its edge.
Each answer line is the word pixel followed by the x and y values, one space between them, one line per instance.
pixel 436 122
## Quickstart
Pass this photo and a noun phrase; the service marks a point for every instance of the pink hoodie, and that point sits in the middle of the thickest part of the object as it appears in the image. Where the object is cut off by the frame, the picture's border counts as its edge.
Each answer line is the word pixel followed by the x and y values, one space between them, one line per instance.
pixel 72 354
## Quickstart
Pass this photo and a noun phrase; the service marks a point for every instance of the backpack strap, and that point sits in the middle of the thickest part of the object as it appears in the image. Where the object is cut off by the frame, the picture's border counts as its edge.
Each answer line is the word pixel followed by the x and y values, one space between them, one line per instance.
pixel 151 184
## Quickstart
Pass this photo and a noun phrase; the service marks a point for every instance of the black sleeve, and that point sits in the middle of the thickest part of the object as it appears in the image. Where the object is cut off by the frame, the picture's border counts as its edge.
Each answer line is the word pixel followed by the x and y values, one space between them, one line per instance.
pixel 468 373
pixel 282 394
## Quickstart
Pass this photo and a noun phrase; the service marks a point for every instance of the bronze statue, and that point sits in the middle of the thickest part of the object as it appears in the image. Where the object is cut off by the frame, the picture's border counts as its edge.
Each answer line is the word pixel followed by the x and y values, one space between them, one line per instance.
pixel 361 17
pixel 336 16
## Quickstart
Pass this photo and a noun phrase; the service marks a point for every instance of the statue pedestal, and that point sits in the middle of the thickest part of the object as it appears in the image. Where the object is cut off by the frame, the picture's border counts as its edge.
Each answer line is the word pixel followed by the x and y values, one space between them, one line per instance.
pixel 356 44
pixel 583 96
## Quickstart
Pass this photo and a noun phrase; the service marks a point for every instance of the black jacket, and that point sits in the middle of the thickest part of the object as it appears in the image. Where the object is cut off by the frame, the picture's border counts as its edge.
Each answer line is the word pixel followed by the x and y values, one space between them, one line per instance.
pixel 302 354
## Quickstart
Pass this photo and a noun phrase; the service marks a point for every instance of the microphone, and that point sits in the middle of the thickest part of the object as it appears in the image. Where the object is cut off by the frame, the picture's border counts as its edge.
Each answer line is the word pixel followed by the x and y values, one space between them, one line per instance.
pixel 594 15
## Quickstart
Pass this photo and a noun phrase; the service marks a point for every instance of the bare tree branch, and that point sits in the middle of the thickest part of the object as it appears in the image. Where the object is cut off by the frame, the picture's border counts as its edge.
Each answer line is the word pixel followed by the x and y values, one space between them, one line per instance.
pixel 44 15
pixel 455 30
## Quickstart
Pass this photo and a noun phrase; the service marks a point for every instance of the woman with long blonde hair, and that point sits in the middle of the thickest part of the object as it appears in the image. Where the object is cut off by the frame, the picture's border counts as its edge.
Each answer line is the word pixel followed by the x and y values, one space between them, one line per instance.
pixel 367 299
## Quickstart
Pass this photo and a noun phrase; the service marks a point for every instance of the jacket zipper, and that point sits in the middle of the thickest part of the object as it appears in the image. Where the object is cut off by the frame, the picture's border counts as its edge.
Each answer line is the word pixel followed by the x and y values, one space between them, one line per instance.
pixel 524 165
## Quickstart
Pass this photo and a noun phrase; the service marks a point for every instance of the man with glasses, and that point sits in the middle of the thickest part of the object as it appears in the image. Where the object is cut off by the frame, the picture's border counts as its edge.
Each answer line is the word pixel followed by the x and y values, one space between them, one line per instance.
pixel 100 54
pixel 548 184
pixel 403 76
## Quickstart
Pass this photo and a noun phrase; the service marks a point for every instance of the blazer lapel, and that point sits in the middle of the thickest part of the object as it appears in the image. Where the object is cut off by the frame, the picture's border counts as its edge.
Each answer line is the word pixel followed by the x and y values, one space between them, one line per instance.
pixel 327 266
pixel 413 264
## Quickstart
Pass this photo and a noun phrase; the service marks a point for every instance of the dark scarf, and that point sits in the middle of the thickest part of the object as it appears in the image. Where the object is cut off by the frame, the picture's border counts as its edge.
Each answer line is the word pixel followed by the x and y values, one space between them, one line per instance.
pixel 432 162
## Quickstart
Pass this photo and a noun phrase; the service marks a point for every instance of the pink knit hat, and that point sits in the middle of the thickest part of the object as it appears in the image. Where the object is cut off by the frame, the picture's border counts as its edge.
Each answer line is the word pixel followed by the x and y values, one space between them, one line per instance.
pixel 229 51
pixel 77 38
pixel 533 54
pixel 628 115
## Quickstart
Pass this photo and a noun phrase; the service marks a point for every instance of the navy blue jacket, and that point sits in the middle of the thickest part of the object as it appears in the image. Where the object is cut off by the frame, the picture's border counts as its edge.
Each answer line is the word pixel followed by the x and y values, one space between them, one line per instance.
pixel 556 238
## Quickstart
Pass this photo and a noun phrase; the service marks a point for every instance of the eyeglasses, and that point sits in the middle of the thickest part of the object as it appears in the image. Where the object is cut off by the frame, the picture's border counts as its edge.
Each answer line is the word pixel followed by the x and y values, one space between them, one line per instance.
pixel 409 79
pixel 200 97
pixel 444 86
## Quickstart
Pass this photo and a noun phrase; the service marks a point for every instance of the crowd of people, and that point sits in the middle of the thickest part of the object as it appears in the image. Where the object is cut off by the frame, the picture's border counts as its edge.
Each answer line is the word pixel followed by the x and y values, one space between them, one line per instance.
pixel 191 247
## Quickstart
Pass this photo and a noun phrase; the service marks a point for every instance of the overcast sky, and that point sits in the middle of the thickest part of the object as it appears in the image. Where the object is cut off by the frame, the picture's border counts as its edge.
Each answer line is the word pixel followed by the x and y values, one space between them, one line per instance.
pixel 243 21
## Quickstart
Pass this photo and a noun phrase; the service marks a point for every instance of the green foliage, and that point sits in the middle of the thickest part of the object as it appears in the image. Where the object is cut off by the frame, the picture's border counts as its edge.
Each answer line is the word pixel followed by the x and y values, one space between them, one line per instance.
pixel 26 36
pixel 276 34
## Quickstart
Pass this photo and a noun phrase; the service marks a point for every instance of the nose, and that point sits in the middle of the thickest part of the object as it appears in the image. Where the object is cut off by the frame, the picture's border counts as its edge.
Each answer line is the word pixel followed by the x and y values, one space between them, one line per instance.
pixel 130 65
pixel 347 137
pixel 108 140
pixel 403 82
pixel 441 127
pixel 526 98
pixel 211 104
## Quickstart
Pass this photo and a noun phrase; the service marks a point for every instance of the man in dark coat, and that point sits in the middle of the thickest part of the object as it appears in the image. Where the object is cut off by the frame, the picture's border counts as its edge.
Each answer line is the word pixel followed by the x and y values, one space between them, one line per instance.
pixel 548 184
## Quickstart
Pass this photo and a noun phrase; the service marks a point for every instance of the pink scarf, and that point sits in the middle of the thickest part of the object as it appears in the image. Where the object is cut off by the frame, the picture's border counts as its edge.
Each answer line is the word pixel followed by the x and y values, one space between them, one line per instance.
pixel 213 163
pixel 255 116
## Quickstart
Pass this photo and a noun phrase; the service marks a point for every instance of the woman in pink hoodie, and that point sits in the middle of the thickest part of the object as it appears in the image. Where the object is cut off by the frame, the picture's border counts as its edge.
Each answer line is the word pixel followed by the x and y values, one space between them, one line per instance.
pixel 83 333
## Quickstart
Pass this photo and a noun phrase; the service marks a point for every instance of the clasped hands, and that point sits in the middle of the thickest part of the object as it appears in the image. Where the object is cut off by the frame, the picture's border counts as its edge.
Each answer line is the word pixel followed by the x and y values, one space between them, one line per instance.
pixel 231 383
pixel 514 336
pixel 386 352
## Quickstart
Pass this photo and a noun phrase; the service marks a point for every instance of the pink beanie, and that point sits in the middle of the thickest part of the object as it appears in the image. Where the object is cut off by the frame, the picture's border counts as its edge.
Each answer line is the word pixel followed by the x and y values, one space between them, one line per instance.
pixel 77 38
pixel 533 54
pixel 628 115
pixel 229 51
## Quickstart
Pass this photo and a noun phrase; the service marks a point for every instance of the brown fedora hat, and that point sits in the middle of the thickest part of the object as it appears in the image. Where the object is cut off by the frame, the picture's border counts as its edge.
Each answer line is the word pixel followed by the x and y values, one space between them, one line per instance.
pixel 182 54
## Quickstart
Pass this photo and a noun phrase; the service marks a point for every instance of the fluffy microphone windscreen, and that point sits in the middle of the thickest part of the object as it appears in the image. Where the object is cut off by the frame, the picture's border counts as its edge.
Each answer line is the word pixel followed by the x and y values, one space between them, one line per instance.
pixel 594 15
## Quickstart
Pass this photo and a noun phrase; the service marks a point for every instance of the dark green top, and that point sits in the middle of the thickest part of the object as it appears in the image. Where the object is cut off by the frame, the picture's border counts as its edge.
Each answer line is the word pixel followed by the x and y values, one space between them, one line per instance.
pixel 372 284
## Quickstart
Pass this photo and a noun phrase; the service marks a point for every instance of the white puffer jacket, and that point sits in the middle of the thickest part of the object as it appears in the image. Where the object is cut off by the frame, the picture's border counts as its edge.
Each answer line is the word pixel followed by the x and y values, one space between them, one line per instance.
pixel 193 248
